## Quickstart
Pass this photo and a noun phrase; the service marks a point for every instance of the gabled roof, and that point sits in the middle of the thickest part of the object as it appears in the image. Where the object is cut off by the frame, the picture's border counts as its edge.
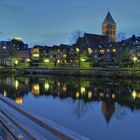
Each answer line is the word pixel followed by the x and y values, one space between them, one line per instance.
pixel 93 39
pixel 132 39
pixel 109 19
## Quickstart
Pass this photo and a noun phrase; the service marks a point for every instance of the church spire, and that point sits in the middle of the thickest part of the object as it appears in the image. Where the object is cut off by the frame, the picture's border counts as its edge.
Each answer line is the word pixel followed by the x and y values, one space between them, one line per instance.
pixel 108 19
pixel 109 28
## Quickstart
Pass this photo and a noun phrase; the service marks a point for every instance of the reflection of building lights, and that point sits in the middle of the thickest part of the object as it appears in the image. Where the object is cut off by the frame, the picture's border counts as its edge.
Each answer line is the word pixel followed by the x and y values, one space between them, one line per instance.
pixel 46 86
pixel 19 100
pixel 90 94
pixel 77 94
pixel 113 96
pixel 58 84
pixel 83 90
pixel 64 87
pixel 135 59
pixel 82 59
pixel 36 89
pixel 101 94
pixel 134 94
pixel 16 84
pixel 5 93
pixel 107 95
pixel 46 60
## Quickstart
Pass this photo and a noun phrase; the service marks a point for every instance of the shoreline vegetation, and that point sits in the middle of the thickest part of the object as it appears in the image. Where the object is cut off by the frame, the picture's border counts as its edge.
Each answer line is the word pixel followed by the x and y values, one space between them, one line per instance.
pixel 110 72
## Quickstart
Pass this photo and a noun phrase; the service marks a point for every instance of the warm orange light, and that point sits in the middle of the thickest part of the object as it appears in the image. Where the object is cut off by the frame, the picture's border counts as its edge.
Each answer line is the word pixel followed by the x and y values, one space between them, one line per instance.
pixel 19 100
pixel 64 87
pixel 89 94
pixel 5 93
pixel 77 94
pixel 36 89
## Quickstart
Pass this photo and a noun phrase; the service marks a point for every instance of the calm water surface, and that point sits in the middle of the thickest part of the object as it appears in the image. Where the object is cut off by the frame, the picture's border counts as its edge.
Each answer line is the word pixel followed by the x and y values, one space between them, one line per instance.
pixel 100 109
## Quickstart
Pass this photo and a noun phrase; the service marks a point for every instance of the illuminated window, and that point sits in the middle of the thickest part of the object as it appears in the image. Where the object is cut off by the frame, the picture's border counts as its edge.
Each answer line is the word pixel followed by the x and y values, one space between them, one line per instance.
pixel 19 100
pixel 77 49
pixel 64 55
pixel 36 89
pixel 64 87
pixel 90 51
pixel 114 50
pixel 102 51
pixel 35 55
pixel 108 50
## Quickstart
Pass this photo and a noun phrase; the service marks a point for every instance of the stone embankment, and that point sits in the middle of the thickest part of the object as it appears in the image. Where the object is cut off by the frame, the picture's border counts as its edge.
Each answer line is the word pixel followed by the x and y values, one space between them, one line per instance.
pixel 96 72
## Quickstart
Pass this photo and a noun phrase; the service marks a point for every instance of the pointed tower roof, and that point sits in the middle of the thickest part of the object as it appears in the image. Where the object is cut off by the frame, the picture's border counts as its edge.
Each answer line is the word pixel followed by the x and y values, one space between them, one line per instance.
pixel 109 19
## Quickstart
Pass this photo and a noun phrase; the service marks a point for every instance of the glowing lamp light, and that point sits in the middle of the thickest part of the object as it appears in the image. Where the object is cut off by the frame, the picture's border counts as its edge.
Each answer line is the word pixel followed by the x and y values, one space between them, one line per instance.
pixel 58 61
pixel 135 59
pixel 16 62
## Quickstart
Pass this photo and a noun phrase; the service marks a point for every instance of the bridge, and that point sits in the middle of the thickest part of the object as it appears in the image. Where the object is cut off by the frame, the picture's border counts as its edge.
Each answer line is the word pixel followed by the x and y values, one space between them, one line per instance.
pixel 17 123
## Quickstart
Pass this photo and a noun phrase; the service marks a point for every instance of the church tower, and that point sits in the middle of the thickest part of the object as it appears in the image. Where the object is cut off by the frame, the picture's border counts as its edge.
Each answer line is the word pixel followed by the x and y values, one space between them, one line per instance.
pixel 109 28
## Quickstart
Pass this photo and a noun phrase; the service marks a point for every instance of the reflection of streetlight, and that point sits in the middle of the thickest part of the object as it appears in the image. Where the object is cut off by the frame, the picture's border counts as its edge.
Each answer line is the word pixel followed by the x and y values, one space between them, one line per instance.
pixel 46 86
pixel 134 60
pixel 16 62
pixel 134 94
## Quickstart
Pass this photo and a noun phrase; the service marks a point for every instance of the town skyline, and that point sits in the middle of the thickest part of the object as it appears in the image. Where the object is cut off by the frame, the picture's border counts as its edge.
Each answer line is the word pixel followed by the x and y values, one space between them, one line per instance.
pixel 48 23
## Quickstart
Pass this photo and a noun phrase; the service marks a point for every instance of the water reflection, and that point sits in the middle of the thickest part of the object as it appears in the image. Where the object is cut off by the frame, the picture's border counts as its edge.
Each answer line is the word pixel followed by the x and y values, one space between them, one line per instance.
pixel 111 94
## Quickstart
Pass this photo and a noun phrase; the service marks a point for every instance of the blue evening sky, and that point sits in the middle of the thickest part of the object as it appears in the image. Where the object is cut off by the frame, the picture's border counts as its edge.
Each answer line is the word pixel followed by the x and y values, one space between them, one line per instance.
pixel 48 22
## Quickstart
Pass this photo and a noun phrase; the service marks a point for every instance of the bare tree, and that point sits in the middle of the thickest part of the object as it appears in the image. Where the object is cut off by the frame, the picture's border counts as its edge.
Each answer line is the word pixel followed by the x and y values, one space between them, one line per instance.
pixel 121 36
pixel 75 35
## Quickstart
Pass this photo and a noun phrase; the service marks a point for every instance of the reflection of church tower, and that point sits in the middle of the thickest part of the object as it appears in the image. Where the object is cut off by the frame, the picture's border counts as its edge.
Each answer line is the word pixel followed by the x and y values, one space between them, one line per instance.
pixel 108 108
pixel 109 28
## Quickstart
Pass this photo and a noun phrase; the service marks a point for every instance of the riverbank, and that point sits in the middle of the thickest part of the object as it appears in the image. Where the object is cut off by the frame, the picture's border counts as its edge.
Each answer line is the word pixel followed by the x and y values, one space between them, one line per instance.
pixel 96 72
